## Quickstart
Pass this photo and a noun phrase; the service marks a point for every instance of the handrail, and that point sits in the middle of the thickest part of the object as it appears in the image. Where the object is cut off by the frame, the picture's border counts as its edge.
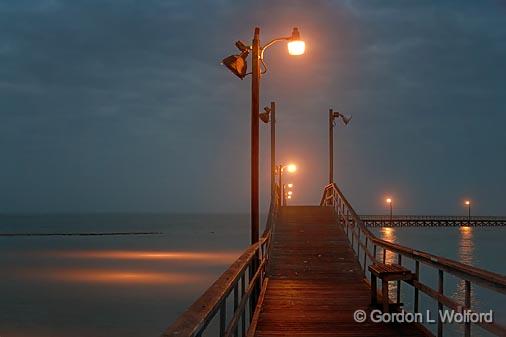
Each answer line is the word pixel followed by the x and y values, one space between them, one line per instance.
pixel 430 217
pixel 244 276
pixel 361 237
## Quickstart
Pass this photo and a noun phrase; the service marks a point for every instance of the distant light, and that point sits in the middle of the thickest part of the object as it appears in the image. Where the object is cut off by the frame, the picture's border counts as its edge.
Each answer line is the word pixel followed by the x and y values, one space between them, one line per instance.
pixel 290 185
pixel 468 202
pixel 389 200
pixel 290 192
pixel 291 168
pixel 289 197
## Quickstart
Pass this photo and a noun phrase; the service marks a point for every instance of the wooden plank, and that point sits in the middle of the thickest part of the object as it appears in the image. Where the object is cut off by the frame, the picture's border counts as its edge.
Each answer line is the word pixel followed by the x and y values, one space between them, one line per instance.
pixel 316 282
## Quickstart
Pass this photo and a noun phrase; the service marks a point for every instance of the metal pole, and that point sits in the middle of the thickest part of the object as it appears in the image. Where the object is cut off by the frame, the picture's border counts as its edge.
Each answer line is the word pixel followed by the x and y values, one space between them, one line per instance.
pixel 469 214
pixel 331 147
pixel 273 149
pixel 280 168
pixel 391 213
pixel 255 130
pixel 255 103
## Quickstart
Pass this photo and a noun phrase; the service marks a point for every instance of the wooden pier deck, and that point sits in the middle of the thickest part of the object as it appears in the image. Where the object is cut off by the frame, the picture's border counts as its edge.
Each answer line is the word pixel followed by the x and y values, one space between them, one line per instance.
pixel 315 282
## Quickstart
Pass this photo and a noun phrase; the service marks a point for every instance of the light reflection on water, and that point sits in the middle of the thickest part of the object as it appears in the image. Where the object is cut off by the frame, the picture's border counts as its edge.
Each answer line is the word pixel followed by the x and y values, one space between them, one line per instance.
pixel 111 285
pixel 111 276
pixel 207 257
pixel 466 255
pixel 388 234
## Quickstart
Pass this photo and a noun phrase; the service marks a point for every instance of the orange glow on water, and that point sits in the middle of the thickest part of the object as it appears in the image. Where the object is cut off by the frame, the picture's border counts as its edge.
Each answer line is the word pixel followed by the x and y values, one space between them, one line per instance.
pixel 206 257
pixel 114 276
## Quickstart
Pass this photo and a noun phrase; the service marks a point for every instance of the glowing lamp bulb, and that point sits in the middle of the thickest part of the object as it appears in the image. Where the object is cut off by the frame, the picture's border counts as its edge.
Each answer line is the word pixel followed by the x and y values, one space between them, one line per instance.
pixel 291 168
pixel 290 192
pixel 468 202
pixel 389 200
pixel 290 185
pixel 296 47
pixel 289 197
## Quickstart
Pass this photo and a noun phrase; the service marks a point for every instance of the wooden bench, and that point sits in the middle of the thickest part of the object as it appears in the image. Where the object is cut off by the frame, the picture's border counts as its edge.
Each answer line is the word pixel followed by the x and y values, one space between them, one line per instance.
pixel 386 272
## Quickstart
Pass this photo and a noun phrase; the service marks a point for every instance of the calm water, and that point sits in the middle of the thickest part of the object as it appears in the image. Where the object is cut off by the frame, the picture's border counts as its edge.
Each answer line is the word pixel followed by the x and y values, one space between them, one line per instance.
pixel 136 285
pixel 482 247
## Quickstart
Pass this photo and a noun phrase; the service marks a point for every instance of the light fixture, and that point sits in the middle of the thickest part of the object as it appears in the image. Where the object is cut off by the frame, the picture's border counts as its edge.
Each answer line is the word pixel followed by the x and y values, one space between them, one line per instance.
pixel 290 192
pixel 345 119
pixel 290 185
pixel 389 200
pixel 468 202
pixel 296 46
pixel 265 116
pixel 237 64
pixel 291 168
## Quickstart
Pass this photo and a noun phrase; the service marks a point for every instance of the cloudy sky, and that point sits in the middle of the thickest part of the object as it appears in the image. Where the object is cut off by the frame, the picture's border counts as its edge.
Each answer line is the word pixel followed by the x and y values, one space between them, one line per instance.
pixel 124 106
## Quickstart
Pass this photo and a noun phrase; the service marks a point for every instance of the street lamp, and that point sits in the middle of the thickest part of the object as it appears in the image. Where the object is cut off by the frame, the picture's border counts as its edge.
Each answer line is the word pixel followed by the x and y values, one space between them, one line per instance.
pixel 390 202
pixel 468 204
pixel 237 64
pixel 333 115
pixel 290 168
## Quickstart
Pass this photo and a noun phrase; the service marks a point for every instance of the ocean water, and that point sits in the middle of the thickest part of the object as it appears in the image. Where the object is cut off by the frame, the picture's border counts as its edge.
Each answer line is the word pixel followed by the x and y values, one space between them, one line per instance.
pixel 101 286
pixel 136 285
pixel 482 247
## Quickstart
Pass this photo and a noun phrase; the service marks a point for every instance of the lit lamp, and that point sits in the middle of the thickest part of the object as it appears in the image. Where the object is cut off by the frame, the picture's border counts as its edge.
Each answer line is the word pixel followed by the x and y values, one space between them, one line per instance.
pixel 389 202
pixel 468 204
pixel 296 46
pixel 290 168
pixel 237 64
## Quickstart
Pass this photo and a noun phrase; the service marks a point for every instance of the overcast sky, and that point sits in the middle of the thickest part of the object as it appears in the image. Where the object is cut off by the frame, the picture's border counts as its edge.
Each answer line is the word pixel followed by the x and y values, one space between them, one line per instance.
pixel 124 106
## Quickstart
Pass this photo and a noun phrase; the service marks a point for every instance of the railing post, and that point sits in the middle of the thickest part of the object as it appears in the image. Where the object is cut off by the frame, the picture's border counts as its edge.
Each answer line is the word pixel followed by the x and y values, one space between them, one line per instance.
pixel 467 304
pixel 236 305
pixel 374 249
pixel 358 241
pixel 417 276
pixel 365 253
pixel 223 317
pixel 352 231
pixel 243 290
pixel 440 305
pixel 384 255
pixel 399 261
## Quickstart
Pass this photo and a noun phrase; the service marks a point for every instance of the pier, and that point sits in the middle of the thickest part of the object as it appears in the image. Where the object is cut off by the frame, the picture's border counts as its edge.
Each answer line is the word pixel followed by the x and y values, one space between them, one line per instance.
pixel 309 273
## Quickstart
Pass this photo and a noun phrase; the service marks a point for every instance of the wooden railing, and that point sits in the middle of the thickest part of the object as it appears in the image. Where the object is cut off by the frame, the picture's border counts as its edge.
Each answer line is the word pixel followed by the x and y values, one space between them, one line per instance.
pixel 244 279
pixel 367 247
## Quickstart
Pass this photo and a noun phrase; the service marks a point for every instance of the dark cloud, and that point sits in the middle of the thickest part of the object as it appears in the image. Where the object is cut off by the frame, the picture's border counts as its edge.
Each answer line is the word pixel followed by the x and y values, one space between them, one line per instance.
pixel 123 106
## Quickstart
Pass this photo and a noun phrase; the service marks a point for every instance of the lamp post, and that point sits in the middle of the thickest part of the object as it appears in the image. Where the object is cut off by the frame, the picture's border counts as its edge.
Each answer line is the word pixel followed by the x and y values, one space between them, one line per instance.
pixel 346 120
pixel 270 115
pixel 390 202
pixel 468 204
pixel 291 168
pixel 237 64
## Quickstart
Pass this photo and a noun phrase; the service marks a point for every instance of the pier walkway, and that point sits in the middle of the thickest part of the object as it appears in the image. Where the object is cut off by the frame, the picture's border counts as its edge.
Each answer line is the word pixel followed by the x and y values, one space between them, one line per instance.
pixel 309 273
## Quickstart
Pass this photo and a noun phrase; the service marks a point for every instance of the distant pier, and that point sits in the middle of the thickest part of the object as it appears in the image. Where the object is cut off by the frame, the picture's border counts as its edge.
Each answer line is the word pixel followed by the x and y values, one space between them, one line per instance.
pixel 431 221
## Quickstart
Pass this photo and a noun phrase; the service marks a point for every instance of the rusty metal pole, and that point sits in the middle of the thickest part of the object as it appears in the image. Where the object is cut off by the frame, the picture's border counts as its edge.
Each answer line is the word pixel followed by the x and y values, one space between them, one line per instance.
pixel 255 103
pixel 391 213
pixel 255 130
pixel 273 151
pixel 280 168
pixel 469 214
pixel 331 147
